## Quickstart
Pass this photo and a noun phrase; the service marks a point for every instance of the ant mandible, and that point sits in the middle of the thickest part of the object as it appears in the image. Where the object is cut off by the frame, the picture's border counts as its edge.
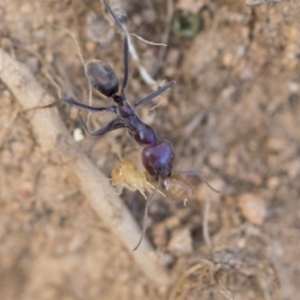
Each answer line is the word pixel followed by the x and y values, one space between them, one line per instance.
pixel 158 154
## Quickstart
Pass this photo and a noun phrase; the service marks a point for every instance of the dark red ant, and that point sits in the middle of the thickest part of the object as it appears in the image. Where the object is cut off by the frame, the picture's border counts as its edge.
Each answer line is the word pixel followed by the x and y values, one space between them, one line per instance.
pixel 157 154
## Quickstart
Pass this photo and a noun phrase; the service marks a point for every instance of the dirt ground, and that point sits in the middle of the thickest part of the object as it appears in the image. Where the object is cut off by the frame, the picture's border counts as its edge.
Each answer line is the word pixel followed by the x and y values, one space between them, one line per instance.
pixel 234 115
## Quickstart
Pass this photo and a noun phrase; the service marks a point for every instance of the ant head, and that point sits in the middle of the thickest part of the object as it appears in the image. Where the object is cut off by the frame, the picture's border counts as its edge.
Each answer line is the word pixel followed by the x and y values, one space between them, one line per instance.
pixel 158 159
pixel 102 77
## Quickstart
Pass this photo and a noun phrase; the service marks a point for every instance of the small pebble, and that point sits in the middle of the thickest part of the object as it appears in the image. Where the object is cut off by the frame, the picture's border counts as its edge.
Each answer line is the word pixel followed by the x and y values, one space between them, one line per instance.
pixel 273 183
pixel 227 59
pixel 253 208
pixel 294 168
pixel 276 143
pixel 181 242
pixel 32 64
pixel 78 135
pixel 294 87
pixel 216 160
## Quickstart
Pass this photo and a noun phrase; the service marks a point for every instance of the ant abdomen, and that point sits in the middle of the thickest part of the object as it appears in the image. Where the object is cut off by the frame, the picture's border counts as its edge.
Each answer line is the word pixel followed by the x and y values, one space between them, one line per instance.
pixel 102 77
pixel 158 159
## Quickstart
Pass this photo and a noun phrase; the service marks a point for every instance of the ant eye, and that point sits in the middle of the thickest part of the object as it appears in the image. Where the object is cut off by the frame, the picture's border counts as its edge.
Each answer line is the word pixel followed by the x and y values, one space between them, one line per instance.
pixel 102 77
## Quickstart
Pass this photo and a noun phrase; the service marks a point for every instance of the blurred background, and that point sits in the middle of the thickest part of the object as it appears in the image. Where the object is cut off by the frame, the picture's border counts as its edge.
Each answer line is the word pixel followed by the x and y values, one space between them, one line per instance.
pixel 234 115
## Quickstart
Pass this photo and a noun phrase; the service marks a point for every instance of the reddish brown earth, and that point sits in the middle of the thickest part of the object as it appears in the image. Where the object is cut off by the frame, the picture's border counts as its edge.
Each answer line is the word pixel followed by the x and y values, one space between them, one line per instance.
pixel 234 115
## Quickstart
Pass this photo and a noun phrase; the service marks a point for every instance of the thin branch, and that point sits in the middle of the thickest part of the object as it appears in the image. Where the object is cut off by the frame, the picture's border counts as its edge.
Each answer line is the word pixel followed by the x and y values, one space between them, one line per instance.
pixel 165 36
pixel 147 42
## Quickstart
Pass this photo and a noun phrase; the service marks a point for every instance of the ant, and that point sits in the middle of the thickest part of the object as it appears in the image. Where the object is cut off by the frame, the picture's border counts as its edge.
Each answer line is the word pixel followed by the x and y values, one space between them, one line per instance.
pixel 158 154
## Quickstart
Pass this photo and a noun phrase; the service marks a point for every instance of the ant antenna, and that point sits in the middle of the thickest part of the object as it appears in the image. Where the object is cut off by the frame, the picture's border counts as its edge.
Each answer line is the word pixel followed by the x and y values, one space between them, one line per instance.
pixel 155 93
pixel 126 47
pixel 198 174
pixel 148 203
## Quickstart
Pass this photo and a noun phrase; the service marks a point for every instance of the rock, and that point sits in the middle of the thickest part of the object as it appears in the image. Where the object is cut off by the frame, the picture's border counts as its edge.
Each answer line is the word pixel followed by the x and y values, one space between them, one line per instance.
pixel 253 208
pixel 181 242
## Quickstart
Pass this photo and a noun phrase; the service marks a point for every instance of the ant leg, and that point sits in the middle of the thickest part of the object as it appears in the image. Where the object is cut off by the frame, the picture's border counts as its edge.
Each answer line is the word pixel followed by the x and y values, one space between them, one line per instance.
pixel 198 174
pixel 126 47
pixel 113 125
pixel 148 203
pixel 156 93
pixel 112 109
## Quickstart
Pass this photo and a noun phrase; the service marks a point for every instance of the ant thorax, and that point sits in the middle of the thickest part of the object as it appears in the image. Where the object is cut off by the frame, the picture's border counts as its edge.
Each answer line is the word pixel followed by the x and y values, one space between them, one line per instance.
pixel 124 109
